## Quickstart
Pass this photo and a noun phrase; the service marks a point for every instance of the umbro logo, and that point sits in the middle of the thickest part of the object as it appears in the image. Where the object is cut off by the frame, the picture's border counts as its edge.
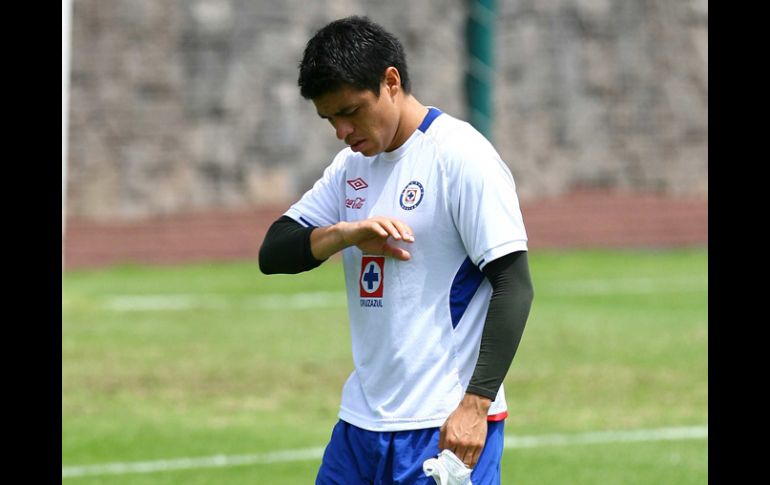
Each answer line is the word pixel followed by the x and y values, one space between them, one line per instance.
pixel 358 183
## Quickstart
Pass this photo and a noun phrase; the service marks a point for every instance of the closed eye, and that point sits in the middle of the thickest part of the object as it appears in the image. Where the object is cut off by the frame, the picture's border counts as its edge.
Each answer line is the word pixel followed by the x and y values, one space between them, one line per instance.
pixel 344 112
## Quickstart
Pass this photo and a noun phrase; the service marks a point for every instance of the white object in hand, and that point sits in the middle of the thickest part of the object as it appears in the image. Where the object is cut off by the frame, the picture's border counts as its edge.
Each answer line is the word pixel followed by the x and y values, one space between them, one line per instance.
pixel 447 469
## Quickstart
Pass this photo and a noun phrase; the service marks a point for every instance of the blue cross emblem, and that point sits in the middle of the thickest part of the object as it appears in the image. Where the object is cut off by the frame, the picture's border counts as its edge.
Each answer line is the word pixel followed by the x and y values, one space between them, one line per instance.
pixel 371 276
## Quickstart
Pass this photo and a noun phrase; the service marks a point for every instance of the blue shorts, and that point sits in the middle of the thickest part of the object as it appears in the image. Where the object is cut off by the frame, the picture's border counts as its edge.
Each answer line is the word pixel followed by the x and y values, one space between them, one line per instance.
pixel 356 456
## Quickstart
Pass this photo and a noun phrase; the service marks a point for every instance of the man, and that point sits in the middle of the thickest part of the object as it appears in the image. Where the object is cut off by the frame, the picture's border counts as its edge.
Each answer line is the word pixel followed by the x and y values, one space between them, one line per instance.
pixel 434 249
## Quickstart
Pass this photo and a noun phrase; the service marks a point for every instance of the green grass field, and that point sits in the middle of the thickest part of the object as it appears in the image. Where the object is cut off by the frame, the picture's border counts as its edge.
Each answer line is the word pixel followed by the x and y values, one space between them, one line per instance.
pixel 160 363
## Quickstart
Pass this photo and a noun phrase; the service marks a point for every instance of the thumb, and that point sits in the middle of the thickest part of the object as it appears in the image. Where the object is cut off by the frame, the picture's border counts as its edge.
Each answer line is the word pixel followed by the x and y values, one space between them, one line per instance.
pixel 441 437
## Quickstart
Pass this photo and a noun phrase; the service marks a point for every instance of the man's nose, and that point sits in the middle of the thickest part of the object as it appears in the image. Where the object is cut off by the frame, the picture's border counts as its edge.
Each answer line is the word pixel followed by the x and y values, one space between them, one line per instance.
pixel 343 128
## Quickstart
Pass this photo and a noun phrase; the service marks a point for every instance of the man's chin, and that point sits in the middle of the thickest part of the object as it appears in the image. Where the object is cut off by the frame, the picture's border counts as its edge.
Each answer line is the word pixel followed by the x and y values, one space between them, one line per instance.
pixel 367 151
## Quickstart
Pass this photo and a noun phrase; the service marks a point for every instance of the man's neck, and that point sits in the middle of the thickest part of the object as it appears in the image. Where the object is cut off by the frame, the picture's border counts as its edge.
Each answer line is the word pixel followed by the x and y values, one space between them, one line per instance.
pixel 412 114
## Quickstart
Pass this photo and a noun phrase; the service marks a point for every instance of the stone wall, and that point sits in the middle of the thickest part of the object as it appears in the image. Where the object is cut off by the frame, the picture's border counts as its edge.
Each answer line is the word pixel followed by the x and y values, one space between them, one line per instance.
pixel 603 93
pixel 192 105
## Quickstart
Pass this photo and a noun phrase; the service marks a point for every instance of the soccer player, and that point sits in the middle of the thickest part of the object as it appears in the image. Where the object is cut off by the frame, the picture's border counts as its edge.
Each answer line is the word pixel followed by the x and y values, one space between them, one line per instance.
pixel 426 216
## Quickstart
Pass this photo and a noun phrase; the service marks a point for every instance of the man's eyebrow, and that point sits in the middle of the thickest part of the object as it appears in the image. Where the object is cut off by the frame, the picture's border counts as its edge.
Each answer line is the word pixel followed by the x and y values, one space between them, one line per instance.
pixel 342 112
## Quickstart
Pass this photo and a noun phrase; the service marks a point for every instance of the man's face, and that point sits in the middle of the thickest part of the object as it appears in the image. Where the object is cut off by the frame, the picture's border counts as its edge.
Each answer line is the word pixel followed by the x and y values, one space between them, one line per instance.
pixel 362 120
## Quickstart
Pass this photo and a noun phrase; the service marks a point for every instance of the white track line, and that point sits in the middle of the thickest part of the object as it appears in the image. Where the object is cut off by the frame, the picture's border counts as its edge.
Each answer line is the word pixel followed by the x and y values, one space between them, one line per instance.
pixel 660 434
pixel 305 454
pixel 216 461
pixel 276 301
pixel 336 299
pixel 626 286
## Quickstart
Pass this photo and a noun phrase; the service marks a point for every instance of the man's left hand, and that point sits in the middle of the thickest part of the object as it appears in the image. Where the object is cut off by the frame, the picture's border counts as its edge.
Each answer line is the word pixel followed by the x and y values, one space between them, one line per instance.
pixel 465 430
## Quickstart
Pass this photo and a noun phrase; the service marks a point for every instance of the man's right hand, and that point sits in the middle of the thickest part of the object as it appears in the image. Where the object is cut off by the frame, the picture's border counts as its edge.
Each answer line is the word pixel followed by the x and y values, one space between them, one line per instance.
pixel 369 235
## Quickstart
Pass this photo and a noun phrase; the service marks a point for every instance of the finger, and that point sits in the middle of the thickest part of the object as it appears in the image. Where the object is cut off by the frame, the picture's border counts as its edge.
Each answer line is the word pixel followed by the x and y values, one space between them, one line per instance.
pixel 465 455
pixel 441 437
pixel 377 228
pixel 406 232
pixel 475 457
pixel 396 252
pixel 470 459
pixel 391 228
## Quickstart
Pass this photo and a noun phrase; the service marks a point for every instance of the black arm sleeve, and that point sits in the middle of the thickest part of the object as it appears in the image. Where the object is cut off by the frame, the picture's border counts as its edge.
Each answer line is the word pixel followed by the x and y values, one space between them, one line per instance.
pixel 286 248
pixel 512 295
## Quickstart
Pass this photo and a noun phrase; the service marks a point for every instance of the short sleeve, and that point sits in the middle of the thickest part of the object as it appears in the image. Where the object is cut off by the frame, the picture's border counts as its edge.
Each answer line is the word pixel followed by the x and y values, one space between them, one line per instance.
pixel 320 206
pixel 485 206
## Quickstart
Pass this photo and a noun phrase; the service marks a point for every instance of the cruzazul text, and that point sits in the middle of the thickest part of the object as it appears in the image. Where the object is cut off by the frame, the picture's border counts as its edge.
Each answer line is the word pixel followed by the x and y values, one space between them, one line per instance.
pixel 371 302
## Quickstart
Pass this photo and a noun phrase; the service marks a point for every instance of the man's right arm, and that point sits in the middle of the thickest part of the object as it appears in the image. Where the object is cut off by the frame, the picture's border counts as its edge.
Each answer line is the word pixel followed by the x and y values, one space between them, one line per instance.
pixel 292 248
pixel 286 248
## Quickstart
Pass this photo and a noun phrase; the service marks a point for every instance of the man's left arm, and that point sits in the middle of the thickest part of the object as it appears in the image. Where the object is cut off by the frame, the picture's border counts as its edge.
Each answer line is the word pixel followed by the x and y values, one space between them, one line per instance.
pixel 465 430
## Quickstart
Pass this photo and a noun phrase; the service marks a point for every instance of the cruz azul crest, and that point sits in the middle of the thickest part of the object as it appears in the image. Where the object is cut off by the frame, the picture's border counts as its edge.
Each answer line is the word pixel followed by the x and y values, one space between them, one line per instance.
pixel 412 195
pixel 372 281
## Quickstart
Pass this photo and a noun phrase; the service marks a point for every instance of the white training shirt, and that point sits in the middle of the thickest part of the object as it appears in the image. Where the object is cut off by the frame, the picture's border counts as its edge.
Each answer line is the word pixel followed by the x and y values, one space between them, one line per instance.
pixel 416 325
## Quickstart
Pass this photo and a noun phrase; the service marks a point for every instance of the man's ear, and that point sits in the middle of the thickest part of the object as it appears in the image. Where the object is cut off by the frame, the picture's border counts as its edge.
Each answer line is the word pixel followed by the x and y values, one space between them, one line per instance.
pixel 392 80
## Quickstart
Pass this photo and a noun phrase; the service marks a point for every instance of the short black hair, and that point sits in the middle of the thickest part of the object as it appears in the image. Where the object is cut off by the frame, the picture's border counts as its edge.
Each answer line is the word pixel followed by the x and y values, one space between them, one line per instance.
pixel 352 51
